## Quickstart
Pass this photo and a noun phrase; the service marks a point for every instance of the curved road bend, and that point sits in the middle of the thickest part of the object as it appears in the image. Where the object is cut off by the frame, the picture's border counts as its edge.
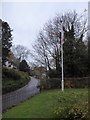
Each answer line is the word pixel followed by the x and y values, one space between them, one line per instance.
pixel 13 98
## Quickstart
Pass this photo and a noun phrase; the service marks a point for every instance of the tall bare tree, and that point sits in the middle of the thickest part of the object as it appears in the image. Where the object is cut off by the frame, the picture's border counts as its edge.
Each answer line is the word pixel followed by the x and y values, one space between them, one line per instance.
pixel 20 52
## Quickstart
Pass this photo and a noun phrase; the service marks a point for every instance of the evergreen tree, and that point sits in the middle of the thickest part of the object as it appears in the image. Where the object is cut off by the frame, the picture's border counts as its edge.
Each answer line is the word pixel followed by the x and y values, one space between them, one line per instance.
pixel 6 41
pixel 75 56
pixel 69 51
pixel 23 66
pixel 81 57
pixel 89 56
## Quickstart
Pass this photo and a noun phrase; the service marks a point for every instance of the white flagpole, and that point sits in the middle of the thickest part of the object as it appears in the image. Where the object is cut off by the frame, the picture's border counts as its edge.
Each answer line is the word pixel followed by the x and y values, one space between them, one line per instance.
pixel 62 40
pixel 62 84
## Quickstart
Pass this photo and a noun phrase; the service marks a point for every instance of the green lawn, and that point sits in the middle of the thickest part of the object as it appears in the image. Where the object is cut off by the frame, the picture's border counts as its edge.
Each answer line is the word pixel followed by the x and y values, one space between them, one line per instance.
pixel 42 105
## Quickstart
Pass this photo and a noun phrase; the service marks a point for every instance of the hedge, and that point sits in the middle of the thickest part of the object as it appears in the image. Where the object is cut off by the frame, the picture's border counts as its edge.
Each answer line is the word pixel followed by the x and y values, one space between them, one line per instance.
pixel 68 83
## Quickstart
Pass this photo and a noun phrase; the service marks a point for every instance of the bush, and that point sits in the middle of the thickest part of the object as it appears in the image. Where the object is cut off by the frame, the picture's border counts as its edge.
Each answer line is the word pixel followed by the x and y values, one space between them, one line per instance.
pixel 13 80
pixel 71 105
pixel 23 74
pixel 10 73
pixel 75 112
pixel 11 85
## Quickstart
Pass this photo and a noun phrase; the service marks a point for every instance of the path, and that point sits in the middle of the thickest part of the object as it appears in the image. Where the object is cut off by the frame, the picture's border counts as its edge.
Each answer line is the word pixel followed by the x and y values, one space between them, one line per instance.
pixel 13 98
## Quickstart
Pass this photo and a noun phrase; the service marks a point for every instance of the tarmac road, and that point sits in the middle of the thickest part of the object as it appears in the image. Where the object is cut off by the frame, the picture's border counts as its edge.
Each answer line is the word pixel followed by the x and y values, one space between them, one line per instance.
pixel 14 98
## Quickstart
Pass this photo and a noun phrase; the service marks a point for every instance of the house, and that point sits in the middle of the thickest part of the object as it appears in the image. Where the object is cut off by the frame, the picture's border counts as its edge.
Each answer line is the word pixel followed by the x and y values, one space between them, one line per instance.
pixel 39 71
pixel 12 62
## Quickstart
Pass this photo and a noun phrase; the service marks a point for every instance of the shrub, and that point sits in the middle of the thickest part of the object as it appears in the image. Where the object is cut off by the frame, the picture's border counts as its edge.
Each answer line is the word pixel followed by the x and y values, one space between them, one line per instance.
pixel 13 80
pixel 71 105
pixel 74 112
pixel 10 73
pixel 11 85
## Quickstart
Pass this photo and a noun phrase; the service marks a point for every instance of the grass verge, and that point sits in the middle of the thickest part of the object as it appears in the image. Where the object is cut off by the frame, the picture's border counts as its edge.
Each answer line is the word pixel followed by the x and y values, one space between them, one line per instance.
pixel 43 105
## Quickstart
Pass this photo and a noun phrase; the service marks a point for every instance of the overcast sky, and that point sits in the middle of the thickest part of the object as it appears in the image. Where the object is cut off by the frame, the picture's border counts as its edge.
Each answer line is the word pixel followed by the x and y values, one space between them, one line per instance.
pixel 26 19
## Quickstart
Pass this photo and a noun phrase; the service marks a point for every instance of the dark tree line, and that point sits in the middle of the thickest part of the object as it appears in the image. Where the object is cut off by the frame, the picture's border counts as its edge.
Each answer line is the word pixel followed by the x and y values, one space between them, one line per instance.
pixel 47 48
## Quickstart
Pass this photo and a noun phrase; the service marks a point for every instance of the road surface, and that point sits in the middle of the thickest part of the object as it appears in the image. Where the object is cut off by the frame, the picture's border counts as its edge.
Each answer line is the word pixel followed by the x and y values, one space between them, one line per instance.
pixel 14 98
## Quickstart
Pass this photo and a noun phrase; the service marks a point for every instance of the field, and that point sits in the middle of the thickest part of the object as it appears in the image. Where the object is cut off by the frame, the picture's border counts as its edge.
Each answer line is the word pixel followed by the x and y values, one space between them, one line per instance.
pixel 44 105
